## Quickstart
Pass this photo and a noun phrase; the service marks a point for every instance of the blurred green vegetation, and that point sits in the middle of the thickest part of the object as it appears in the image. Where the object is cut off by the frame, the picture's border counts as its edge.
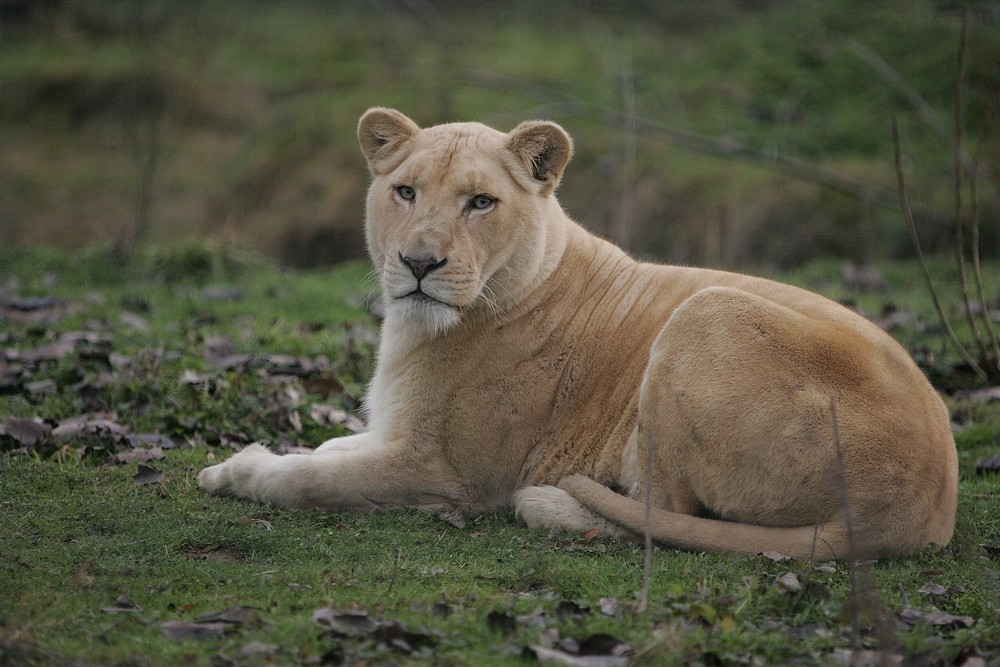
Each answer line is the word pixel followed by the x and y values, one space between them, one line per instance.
pixel 125 121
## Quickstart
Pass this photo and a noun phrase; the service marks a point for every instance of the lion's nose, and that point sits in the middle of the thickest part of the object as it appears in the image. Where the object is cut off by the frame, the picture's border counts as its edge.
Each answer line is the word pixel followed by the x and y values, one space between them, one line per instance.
pixel 421 266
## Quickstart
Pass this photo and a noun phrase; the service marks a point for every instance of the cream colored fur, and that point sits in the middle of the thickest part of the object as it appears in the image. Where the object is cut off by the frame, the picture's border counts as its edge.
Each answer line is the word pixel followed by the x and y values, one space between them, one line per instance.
pixel 525 363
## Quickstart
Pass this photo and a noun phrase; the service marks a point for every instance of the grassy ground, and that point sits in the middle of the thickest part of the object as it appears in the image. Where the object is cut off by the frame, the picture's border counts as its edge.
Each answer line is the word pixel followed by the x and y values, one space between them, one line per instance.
pixel 97 568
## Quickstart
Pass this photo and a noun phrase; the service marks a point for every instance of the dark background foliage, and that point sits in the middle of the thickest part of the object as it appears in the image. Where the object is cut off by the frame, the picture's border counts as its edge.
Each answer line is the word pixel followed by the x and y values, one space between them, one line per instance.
pixel 725 133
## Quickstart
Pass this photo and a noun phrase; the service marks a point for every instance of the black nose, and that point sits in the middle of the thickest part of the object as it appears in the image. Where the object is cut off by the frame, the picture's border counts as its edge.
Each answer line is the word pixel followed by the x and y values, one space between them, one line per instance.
pixel 421 266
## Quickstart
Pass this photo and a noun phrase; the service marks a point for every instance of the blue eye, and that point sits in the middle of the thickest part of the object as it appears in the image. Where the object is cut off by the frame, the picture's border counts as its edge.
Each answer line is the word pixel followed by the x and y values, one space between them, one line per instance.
pixel 482 202
pixel 406 192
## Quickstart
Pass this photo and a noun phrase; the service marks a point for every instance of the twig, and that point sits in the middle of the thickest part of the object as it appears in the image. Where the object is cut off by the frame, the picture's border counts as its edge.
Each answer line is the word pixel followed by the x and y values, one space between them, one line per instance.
pixel 395 567
pixel 647 563
pixel 908 214
pixel 976 270
pixel 896 81
pixel 845 500
pixel 959 172
pixel 863 588
pixel 623 231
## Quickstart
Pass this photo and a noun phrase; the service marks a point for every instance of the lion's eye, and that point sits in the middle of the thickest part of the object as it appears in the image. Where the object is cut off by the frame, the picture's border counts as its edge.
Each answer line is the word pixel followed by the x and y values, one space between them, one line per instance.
pixel 406 192
pixel 482 202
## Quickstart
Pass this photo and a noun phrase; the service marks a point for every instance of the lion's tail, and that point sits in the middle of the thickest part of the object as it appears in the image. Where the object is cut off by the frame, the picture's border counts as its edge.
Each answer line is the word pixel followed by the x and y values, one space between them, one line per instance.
pixel 825 541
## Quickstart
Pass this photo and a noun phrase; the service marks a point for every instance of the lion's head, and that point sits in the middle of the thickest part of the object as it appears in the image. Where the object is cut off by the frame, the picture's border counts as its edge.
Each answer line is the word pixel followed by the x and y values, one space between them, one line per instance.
pixel 457 215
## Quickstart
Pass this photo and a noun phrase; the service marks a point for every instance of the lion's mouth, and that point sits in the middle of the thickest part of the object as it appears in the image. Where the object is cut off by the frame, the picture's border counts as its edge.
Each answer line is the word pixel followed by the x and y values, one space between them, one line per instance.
pixel 420 296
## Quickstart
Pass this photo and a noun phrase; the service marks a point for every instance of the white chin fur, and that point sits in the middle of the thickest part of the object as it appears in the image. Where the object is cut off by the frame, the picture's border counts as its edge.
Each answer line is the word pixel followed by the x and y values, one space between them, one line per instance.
pixel 428 317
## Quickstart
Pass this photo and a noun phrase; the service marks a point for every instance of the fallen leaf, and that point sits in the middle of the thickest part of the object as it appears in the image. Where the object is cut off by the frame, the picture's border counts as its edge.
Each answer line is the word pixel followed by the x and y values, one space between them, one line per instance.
pixel 865 658
pixel 324 385
pixel 150 440
pixel 28 303
pixel 257 647
pixel 454 517
pixel 122 606
pixel 53 352
pixel 344 623
pixel 502 622
pixel 218 347
pixel 222 293
pixel 136 322
pixel 599 650
pixel 788 583
pixel 397 637
pixel 775 556
pixel 989 465
pixel 570 608
pixel 359 624
pixel 987 394
pixel 184 630
pixel 558 657
pixel 610 606
pixel 235 616
pixel 936 618
pixel 23 432
pixel 140 455
pixel 101 424
pixel 286 364
pixel 933 590
pixel 329 416
pixel 147 475
pixel 42 388
pixel 295 420
pixel 231 362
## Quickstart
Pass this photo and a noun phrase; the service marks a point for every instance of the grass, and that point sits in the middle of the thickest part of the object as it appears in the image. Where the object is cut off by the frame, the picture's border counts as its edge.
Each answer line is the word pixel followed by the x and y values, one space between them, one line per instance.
pixel 92 564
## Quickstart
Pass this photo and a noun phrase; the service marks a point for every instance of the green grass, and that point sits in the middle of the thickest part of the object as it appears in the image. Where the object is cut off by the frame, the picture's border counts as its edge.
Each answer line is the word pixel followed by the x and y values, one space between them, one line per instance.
pixel 81 539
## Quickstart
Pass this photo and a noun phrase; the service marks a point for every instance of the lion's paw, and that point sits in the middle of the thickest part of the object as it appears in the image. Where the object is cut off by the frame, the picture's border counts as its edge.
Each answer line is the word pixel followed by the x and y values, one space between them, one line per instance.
pixel 224 478
pixel 543 506
pixel 551 507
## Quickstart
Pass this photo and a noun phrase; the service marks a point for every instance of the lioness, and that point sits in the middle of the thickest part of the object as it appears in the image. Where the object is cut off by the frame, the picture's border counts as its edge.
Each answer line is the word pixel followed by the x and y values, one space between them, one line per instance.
pixel 526 363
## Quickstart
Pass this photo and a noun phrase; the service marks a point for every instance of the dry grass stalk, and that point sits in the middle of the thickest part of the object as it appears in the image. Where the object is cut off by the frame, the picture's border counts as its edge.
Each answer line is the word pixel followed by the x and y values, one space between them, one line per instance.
pixel 959 177
pixel 864 590
pixel 908 214
pixel 984 308
pixel 647 564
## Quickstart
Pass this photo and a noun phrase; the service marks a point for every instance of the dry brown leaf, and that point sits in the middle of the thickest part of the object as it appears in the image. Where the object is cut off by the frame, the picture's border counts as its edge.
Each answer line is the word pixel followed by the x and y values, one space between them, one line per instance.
pixel 185 630
pixel 147 475
pixel 789 583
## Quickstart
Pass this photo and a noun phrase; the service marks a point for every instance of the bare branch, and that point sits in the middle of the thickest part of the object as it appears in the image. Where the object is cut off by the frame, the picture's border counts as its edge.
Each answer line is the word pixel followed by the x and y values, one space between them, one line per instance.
pixel 908 214
pixel 959 172
pixel 984 307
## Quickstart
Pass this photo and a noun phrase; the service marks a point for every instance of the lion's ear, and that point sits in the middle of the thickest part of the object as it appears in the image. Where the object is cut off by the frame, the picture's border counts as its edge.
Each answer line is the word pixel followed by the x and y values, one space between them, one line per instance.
pixel 543 149
pixel 382 133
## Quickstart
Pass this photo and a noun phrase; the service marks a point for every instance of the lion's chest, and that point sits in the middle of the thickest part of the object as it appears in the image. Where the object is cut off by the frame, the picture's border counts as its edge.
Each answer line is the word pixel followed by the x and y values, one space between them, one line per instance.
pixel 504 409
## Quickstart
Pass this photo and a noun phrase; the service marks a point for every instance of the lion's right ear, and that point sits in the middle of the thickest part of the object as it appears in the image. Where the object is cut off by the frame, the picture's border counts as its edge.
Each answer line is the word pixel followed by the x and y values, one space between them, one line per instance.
pixel 382 133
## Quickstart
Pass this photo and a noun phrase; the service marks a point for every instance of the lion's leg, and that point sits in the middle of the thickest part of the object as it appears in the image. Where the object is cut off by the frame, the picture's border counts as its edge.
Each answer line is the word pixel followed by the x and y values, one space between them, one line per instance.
pixel 345 444
pixel 361 479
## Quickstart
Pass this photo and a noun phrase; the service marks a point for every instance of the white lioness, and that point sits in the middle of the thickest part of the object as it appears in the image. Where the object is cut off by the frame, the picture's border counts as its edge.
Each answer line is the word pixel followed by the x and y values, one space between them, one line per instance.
pixel 526 363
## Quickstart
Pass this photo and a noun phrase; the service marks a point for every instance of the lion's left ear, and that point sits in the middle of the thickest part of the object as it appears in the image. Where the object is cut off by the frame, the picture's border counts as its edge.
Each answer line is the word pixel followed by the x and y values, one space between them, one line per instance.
pixel 543 150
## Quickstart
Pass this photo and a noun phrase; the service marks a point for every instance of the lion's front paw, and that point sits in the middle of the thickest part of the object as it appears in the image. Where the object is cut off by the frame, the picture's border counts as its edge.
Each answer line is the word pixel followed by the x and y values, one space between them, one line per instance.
pixel 226 477
pixel 214 479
